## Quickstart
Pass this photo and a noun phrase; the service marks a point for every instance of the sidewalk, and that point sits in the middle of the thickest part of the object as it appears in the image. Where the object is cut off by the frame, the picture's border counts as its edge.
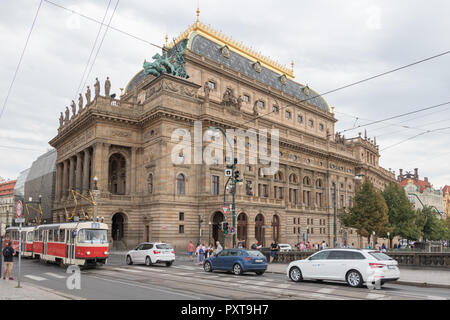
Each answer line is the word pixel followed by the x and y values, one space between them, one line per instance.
pixel 416 277
pixel 8 291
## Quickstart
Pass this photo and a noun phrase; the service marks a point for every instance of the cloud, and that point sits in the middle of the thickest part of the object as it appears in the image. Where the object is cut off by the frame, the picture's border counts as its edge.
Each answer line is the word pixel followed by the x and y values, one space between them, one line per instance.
pixel 332 43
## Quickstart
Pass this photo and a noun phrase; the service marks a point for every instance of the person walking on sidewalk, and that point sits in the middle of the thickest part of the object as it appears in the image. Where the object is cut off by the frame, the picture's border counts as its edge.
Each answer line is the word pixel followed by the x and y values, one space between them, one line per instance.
pixel 191 250
pixel 8 253
pixel 218 247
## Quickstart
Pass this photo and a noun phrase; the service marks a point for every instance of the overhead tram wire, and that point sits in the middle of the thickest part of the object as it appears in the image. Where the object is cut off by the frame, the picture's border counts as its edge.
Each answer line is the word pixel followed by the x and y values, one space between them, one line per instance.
pixel 101 43
pixel 110 27
pixel 413 137
pixel 20 60
pixel 92 50
pixel 397 116
pixel 300 101
pixel 361 81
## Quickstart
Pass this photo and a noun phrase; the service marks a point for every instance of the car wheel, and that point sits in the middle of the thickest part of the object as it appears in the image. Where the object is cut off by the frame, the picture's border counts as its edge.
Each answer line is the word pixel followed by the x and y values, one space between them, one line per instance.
pixel 148 261
pixel 207 266
pixel 168 264
pixel 259 273
pixel 295 274
pixel 129 261
pixel 354 279
pixel 237 269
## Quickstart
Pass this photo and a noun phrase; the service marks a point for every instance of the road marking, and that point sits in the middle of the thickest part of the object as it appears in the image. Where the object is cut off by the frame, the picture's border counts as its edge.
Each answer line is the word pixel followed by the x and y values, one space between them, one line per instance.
pixel 35 277
pixel 325 290
pixel 374 296
pixel 58 276
pixel 150 269
pixel 283 286
pixel 187 267
pixel 129 270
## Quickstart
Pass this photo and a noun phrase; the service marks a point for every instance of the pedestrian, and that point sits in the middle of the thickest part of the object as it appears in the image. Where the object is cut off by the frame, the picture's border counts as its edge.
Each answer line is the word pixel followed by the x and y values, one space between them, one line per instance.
pixel 201 253
pixel 316 247
pixel 191 250
pixel 308 246
pixel 302 247
pixel 240 245
pixel 368 246
pixel 377 246
pixel 383 248
pixel 210 250
pixel 273 250
pixel 8 254
pixel 323 245
pixel 219 248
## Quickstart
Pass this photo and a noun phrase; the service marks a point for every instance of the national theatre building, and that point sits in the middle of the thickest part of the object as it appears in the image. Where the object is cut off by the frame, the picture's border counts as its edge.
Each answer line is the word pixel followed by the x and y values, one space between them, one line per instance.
pixel 206 77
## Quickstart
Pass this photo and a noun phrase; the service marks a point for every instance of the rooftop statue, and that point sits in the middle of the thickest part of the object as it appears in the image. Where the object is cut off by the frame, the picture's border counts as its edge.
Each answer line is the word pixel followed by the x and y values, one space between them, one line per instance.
pixel 88 95
pixel 170 62
pixel 97 87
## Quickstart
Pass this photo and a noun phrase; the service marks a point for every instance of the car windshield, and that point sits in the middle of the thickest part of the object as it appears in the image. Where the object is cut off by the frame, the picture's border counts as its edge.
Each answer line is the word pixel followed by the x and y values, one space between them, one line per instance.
pixel 163 246
pixel 380 256
pixel 254 253
pixel 92 236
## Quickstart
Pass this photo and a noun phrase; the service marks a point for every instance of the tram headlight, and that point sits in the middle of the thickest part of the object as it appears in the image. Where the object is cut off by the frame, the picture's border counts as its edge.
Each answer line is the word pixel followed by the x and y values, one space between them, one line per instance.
pixel 88 253
pixel 106 252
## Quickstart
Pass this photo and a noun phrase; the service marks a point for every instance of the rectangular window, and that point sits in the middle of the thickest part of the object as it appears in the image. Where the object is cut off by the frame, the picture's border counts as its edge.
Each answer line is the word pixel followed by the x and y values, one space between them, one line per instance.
pixel 211 85
pixel 246 98
pixel 181 228
pixel 261 104
pixel 265 191
pixel 342 201
pixel 275 109
pixel 300 119
pixel 181 216
pixel 288 115
pixel 215 185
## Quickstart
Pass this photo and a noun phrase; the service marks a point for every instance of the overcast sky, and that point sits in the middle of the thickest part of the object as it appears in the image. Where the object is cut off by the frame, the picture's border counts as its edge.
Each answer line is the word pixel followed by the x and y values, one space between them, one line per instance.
pixel 333 43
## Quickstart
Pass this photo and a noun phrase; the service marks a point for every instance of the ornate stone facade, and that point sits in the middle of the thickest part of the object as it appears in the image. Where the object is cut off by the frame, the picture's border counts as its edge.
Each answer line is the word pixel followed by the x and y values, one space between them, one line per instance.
pixel 127 144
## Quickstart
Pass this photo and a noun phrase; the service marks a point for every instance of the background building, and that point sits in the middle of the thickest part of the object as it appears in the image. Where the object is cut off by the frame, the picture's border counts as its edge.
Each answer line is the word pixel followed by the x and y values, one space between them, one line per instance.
pixel 421 192
pixel 40 181
pixel 145 196
pixel 7 204
pixel 446 200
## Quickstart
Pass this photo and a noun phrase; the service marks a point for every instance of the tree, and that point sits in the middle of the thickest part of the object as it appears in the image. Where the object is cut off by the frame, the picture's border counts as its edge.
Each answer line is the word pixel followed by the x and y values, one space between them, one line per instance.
pixel 369 212
pixel 434 228
pixel 404 221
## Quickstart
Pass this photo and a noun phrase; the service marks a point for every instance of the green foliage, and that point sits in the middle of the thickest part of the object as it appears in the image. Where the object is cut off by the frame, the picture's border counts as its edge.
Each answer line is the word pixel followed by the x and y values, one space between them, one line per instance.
pixel 404 221
pixel 434 228
pixel 369 212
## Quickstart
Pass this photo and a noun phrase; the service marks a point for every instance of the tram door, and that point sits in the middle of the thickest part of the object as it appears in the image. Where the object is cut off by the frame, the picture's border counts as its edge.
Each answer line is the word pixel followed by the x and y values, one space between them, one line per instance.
pixel 44 242
pixel 70 246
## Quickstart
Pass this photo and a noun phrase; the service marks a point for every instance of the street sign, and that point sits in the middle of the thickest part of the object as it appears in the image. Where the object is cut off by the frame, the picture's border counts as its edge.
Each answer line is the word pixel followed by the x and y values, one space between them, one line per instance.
pixel 19 209
pixel 228 172
pixel 232 230
pixel 18 220
pixel 225 210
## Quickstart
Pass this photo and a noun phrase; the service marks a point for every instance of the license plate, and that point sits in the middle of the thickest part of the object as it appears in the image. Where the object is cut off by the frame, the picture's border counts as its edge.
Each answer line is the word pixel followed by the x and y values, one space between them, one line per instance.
pixel 392 267
pixel 258 260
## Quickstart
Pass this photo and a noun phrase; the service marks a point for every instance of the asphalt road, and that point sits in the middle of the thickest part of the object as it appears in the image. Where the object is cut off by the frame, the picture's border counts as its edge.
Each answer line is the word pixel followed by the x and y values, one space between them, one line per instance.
pixel 185 280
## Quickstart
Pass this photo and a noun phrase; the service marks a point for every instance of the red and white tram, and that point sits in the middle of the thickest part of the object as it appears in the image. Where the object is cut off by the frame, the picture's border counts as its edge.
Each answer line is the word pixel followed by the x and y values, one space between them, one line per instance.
pixel 79 243
pixel 12 234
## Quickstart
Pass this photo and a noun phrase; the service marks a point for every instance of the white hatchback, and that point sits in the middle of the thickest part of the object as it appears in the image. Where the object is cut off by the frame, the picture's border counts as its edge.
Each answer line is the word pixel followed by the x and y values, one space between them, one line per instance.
pixel 151 253
pixel 284 247
pixel 354 266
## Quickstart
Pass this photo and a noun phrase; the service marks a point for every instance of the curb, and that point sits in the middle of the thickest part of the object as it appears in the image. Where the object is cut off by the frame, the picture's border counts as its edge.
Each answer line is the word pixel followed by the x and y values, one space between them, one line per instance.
pixel 58 293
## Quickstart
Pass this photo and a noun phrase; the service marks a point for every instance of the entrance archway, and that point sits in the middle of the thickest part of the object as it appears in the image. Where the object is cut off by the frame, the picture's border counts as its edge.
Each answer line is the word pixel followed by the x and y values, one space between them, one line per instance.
pixel 242 228
pixel 117 228
pixel 217 234
pixel 259 229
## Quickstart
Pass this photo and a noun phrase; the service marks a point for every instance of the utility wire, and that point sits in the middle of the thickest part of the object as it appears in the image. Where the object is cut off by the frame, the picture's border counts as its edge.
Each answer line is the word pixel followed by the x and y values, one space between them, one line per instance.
pixel 111 27
pixel 413 137
pixel 101 43
pixel 92 50
pixel 20 60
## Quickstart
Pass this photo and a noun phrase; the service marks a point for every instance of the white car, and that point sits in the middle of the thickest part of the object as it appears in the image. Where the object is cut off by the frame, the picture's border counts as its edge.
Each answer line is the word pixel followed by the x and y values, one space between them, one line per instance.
pixel 150 253
pixel 354 266
pixel 284 247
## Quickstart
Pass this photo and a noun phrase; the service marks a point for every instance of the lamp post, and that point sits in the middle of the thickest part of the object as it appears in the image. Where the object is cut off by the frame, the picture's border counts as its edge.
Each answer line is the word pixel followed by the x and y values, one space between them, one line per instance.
pixel 95 192
pixel 335 215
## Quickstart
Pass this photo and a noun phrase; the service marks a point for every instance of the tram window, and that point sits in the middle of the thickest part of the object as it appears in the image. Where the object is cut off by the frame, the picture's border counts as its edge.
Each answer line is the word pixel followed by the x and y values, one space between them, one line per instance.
pixel 50 235
pixel 30 236
pixel 40 235
pixel 56 235
pixel 92 236
pixel 62 234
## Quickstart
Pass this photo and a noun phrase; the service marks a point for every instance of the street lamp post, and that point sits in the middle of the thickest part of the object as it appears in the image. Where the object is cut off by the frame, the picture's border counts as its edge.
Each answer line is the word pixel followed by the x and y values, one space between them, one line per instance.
pixel 95 192
pixel 335 215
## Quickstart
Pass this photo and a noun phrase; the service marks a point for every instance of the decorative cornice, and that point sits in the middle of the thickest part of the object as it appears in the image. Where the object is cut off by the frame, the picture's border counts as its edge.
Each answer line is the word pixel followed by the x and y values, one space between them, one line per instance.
pixel 235 46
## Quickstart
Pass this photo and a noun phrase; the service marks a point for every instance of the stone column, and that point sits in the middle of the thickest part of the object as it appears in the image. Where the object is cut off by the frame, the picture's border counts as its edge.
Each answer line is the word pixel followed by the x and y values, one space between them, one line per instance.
pixel 78 185
pixel 65 179
pixel 100 165
pixel 71 174
pixel 132 180
pixel 87 157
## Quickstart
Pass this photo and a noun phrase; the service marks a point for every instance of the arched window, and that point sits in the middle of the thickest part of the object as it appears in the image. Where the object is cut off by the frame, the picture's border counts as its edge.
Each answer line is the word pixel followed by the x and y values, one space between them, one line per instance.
pixel 276 228
pixel 117 174
pixel 319 183
pixel 180 184
pixel 293 178
pixel 278 176
pixel 150 183
pixel 307 181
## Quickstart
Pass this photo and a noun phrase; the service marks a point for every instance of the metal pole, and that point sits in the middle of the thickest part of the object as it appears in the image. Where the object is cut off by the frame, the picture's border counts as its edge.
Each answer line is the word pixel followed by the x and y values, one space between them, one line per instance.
pixel 20 253
pixel 334 207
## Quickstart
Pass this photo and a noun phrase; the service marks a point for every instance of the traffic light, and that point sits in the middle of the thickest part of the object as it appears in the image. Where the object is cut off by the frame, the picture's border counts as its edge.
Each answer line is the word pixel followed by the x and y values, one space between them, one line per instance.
pixel 236 176
pixel 225 227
